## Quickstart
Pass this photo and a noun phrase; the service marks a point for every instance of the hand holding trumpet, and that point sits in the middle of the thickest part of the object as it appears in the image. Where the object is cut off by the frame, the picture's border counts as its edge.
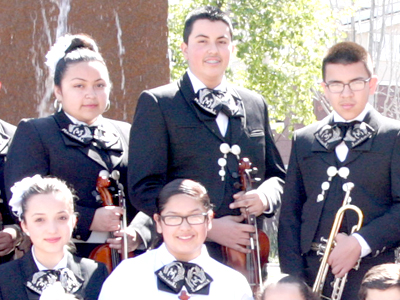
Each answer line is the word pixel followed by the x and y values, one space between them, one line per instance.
pixel 344 255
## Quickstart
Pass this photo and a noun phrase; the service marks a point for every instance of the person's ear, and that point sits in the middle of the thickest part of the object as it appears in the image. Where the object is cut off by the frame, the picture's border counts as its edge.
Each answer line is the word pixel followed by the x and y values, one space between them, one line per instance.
pixel 24 228
pixel 373 84
pixel 74 220
pixel 157 218
pixel 326 90
pixel 210 219
pixel 58 93
pixel 184 48
pixel 234 48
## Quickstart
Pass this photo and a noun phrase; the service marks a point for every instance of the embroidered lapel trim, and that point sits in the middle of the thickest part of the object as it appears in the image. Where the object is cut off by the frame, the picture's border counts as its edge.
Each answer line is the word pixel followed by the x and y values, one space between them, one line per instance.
pixel 186 88
pixel 115 151
pixel 4 142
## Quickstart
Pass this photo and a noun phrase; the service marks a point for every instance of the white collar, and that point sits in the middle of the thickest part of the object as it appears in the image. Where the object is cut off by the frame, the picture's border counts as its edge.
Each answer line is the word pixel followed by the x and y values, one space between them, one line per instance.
pixel 76 121
pixel 198 85
pixel 360 117
pixel 61 264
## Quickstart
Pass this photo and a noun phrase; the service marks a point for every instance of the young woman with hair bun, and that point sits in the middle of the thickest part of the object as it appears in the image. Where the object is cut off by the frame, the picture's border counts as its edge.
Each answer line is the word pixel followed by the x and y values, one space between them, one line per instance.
pixel 76 143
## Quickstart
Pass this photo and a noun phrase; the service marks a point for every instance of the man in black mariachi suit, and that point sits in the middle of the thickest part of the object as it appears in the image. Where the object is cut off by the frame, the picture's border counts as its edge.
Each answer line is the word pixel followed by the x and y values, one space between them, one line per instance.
pixel 370 150
pixel 176 133
pixel 10 233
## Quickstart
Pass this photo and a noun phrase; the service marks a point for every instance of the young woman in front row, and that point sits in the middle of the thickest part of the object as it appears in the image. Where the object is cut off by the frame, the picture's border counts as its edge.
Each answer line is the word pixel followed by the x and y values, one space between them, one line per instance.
pixel 181 267
pixel 45 207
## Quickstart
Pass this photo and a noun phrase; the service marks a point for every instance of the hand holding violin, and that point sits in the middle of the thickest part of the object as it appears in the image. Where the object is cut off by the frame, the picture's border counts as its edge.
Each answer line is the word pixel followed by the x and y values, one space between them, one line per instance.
pixel 230 232
pixel 107 218
pixel 133 239
pixel 249 203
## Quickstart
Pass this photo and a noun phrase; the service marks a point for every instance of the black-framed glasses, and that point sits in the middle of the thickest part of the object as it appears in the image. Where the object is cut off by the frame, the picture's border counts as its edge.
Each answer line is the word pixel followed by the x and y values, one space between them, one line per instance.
pixel 355 85
pixel 196 219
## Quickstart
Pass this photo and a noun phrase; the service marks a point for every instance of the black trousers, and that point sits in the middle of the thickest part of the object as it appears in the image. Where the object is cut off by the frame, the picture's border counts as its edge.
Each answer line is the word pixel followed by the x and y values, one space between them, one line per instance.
pixel 354 277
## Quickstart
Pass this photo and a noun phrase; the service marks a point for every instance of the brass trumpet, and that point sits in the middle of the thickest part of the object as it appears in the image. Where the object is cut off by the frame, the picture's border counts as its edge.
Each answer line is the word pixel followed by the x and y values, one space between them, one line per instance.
pixel 339 283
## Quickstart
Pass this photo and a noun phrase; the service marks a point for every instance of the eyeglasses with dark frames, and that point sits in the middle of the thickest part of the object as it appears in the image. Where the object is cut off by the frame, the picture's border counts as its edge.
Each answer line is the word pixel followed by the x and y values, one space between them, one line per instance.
pixel 196 219
pixel 355 85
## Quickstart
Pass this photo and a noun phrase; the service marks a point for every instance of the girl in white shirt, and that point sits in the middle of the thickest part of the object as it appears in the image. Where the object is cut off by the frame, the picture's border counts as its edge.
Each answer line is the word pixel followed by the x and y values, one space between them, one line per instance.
pixel 181 267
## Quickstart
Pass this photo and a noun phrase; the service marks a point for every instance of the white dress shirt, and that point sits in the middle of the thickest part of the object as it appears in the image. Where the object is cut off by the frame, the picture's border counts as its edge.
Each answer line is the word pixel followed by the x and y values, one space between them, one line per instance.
pixel 221 119
pixel 341 151
pixel 135 278
pixel 61 264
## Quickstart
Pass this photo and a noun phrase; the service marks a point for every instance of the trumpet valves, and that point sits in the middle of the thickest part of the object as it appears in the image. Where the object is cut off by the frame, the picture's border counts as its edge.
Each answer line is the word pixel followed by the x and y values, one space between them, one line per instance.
pixel 321 247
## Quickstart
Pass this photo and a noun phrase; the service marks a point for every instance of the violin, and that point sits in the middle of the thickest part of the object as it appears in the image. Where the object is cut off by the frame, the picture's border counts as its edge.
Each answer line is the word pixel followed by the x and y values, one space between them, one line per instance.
pixel 103 253
pixel 252 264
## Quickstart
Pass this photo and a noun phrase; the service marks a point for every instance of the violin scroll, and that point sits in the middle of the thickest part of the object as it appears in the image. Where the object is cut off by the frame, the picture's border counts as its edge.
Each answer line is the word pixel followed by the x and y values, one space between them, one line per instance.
pixel 102 184
pixel 246 171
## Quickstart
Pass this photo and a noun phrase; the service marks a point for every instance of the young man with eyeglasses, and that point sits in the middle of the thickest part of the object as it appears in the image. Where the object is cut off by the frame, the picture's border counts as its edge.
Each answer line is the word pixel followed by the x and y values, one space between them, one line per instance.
pixel 353 144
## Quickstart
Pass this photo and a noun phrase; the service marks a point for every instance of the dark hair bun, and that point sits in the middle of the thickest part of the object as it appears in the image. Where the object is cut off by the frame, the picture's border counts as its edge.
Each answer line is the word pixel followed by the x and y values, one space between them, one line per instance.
pixel 78 48
pixel 82 41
